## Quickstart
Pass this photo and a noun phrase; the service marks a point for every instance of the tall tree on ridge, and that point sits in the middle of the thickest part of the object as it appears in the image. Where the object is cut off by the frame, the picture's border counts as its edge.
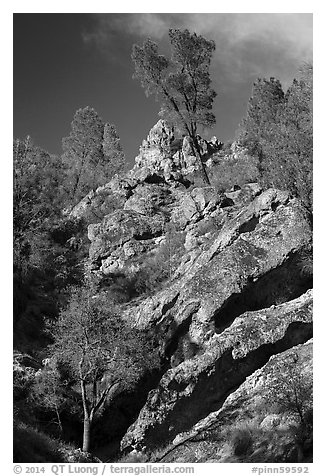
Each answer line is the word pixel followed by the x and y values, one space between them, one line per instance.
pixel 113 153
pixel 278 130
pixel 92 153
pixel 82 151
pixel 181 84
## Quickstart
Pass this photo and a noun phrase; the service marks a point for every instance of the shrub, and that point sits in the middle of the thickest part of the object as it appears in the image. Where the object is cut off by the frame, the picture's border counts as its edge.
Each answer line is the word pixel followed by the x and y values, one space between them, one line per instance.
pixel 292 389
pixel 242 440
pixel 23 379
pixel 160 266
pixel 234 171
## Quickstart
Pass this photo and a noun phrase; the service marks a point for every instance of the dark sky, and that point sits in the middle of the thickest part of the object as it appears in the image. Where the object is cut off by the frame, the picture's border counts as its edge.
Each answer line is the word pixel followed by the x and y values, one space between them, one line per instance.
pixel 66 61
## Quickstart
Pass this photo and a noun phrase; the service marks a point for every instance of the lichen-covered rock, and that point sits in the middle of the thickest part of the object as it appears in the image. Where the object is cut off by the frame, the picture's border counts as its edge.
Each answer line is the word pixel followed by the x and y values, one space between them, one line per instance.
pixel 150 202
pixel 204 196
pixel 171 158
pixel 156 147
pixel 103 200
pixel 192 241
pixel 185 211
pixel 118 228
pixel 251 261
pixel 198 386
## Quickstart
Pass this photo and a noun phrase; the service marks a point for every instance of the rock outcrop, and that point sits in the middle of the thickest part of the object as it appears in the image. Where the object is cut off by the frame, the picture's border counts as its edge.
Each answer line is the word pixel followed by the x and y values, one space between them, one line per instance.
pixel 246 264
pixel 172 157
pixel 162 159
pixel 238 295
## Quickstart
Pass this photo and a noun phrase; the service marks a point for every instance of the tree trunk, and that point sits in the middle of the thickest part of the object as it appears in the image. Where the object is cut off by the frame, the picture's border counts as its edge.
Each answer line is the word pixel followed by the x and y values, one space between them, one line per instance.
pixel 59 420
pixel 87 434
pixel 203 168
pixel 201 163
pixel 300 457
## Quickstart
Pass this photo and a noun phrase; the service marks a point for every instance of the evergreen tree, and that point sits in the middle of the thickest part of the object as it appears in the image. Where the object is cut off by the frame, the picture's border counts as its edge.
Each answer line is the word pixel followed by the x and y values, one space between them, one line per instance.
pixel 43 260
pixel 92 154
pixel 262 111
pixel 36 197
pixel 278 130
pixel 82 152
pixel 294 154
pixel 114 157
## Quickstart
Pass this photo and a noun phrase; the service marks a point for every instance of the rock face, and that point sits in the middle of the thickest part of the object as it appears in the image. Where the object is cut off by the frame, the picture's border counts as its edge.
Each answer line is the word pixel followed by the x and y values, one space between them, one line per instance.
pixel 226 360
pixel 247 263
pixel 249 409
pixel 238 294
pixel 119 228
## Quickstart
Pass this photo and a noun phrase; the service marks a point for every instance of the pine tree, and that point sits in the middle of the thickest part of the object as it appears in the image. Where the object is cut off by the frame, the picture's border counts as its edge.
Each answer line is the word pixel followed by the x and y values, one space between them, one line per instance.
pixel 262 111
pixel 82 152
pixel 278 130
pixel 181 84
pixel 92 154
pixel 114 157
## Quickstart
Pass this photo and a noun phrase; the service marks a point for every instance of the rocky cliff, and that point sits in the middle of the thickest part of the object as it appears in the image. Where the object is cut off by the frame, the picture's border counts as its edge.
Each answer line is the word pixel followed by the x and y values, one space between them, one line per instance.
pixel 235 300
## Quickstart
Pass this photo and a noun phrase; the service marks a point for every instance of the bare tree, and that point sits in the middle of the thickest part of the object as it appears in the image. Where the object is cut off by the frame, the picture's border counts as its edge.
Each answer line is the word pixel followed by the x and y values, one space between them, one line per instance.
pixel 101 351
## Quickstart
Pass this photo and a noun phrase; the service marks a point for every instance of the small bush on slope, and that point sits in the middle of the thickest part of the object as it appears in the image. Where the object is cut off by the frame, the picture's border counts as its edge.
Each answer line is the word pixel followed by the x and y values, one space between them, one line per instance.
pixel 242 440
pixel 232 171
pixel 160 266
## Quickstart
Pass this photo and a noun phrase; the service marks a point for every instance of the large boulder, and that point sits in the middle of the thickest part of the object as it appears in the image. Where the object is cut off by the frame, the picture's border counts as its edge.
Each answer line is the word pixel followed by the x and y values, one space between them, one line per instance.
pixel 185 211
pixel 204 196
